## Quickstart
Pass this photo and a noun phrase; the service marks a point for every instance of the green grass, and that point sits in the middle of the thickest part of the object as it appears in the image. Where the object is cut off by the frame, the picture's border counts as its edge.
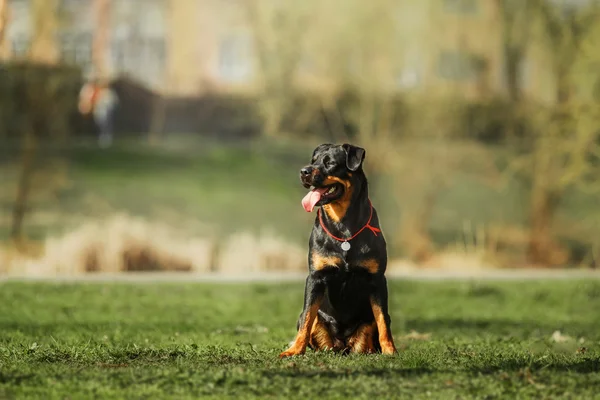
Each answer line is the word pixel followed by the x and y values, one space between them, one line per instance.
pixel 110 340
pixel 217 188
pixel 249 186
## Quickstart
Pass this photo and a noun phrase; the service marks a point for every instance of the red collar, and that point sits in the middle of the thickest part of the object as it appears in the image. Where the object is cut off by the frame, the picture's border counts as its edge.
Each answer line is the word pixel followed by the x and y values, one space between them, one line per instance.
pixel 367 225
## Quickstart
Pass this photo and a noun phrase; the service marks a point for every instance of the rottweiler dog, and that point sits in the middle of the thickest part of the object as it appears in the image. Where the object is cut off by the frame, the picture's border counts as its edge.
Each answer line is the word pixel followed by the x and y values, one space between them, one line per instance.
pixel 345 296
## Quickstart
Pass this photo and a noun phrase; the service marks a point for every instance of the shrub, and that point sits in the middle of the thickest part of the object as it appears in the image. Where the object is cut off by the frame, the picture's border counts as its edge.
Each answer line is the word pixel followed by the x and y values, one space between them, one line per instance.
pixel 40 99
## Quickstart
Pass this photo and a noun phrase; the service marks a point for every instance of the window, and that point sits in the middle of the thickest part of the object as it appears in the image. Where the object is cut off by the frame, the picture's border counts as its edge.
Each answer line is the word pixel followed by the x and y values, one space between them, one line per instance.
pixel 523 72
pixel 19 3
pixel 76 49
pixel 459 66
pixel 235 64
pixel 68 6
pixel 76 15
pixel 410 75
pixel 152 18
pixel 20 45
pixel 142 57
pixel 461 6
pixel 138 43
pixel 20 27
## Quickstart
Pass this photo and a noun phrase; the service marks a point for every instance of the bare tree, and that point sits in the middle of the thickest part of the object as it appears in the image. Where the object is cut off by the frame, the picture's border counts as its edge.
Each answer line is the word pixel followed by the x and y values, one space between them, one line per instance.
pixel 278 31
pixel 361 52
pixel 516 34
pixel 101 37
pixel 562 148
pixel 417 137
pixel 159 103
pixel 41 111
pixel 355 64
pixel 4 22
pixel 44 48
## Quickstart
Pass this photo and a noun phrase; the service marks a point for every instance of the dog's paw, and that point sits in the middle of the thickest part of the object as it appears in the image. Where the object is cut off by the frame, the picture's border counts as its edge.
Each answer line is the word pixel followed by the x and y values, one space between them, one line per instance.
pixel 291 352
pixel 388 348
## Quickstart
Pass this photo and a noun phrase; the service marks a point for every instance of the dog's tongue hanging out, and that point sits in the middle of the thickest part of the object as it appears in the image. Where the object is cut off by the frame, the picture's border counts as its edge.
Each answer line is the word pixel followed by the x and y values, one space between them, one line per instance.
pixel 312 198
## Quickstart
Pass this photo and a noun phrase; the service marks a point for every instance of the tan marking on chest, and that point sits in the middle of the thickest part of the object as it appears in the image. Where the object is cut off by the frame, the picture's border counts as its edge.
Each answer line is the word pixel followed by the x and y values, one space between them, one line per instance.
pixel 370 264
pixel 319 262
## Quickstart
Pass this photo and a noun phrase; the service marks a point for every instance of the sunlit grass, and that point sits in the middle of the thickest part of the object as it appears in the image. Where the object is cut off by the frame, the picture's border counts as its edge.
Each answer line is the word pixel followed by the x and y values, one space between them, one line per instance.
pixel 486 340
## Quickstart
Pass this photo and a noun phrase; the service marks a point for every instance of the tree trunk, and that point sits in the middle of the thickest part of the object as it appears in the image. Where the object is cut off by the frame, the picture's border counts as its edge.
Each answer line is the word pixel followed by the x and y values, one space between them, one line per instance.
pixel 415 237
pixel 4 19
pixel 29 153
pixel 157 123
pixel 542 249
pixel 44 48
pixel 514 58
pixel 100 39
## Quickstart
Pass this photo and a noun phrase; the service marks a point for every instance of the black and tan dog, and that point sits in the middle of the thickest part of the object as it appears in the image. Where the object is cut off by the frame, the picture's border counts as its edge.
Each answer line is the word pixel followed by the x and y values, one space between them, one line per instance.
pixel 345 297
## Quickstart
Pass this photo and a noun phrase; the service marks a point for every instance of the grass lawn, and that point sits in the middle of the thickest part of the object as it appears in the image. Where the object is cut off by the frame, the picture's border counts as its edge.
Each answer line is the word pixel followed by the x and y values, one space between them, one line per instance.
pixel 203 186
pixel 116 340
pixel 214 188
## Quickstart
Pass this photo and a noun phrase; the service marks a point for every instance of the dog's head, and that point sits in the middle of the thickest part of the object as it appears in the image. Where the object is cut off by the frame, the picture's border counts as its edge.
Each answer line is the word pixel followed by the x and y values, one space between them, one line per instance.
pixel 329 174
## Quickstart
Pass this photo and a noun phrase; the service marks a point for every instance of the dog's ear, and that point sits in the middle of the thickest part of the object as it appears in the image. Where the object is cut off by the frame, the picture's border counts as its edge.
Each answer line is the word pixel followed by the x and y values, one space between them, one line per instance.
pixel 354 156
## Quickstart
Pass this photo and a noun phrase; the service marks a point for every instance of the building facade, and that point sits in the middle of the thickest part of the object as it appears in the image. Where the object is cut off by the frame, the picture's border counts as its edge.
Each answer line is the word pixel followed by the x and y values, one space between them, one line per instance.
pixel 187 47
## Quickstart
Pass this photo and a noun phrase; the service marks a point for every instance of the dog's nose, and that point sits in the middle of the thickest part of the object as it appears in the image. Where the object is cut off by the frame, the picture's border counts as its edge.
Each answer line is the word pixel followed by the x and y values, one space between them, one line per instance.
pixel 306 171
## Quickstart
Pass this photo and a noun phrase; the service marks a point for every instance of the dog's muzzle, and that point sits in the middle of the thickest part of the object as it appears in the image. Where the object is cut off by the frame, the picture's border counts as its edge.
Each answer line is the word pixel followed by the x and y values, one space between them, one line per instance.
pixel 310 176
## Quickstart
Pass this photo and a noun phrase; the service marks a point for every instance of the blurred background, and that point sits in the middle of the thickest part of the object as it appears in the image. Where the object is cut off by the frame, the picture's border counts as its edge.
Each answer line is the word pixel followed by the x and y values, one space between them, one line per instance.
pixel 168 134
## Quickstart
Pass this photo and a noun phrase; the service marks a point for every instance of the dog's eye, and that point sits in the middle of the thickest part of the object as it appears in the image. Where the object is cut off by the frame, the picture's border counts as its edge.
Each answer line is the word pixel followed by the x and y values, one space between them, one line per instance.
pixel 330 164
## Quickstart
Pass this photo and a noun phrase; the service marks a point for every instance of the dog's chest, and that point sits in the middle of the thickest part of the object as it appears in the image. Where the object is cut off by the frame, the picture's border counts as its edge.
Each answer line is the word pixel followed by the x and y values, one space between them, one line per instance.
pixel 358 256
pixel 353 252
pixel 357 262
pixel 365 254
pixel 346 282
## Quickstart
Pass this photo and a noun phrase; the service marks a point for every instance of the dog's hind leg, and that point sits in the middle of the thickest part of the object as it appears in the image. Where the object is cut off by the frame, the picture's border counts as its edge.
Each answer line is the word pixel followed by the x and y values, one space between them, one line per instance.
pixel 363 340
pixel 320 336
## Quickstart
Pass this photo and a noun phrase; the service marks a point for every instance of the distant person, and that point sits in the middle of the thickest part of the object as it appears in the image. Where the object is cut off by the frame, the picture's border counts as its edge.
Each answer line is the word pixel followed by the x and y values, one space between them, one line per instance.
pixel 98 98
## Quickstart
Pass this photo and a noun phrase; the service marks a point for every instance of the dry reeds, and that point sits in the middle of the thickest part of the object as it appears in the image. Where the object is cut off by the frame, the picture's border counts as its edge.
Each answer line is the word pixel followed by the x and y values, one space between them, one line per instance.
pixel 124 244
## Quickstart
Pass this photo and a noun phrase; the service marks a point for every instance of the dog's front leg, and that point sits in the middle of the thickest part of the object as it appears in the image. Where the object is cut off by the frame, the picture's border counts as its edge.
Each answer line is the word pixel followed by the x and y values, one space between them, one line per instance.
pixel 313 295
pixel 379 305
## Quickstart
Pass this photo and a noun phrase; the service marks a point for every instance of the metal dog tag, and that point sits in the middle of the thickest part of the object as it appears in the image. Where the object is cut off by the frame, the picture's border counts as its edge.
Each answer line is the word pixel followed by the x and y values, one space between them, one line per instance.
pixel 346 246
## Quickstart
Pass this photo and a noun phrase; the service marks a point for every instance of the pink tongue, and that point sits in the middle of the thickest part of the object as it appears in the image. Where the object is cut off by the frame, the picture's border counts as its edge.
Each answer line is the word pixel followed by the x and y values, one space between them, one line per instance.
pixel 312 198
